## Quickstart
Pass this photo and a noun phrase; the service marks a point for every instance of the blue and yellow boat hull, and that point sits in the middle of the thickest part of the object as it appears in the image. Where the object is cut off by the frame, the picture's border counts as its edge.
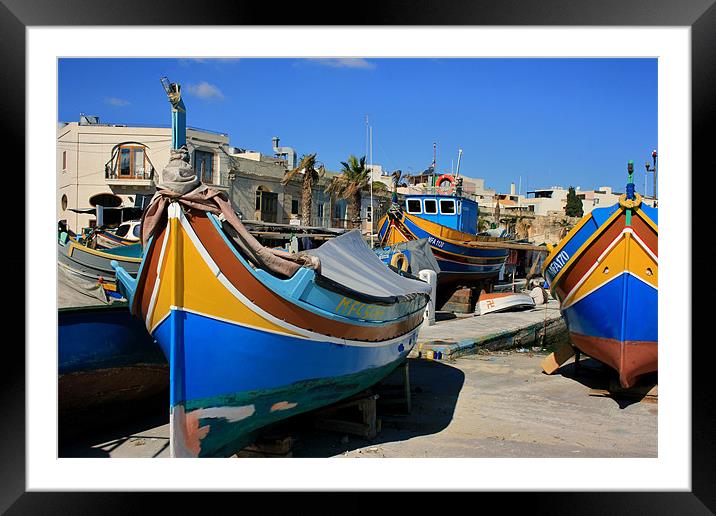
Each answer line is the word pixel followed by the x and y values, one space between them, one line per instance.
pixel 605 274
pixel 461 259
pixel 246 348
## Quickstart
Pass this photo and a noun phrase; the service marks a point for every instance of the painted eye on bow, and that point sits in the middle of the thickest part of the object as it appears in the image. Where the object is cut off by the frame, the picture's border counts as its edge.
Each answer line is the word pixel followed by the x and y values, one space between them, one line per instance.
pixel 606 270
pixel 649 272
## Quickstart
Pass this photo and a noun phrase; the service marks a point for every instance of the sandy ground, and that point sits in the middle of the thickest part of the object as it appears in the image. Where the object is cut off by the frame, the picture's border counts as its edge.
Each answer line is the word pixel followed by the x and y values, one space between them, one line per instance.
pixel 485 405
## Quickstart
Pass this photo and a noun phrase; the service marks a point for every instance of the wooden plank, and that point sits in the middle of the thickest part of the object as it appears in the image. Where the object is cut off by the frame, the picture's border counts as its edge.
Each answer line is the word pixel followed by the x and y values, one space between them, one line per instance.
pixel 555 360
pixel 368 425
pixel 647 393
pixel 406 381
pixel 349 427
pixel 272 446
pixel 507 245
pixel 636 390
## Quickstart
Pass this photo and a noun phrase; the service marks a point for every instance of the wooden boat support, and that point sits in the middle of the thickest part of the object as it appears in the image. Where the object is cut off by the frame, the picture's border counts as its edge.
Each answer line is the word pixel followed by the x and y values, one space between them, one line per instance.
pixel 518 246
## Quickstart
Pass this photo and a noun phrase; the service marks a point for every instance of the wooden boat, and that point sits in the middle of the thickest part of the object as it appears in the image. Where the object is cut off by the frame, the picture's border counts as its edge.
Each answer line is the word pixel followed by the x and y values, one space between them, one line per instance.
pixel 449 222
pixel 247 347
pixel 96 264
pixel 105 355
pixel 605 274
pixel 126 234
pixel 503 302
pixel 409 257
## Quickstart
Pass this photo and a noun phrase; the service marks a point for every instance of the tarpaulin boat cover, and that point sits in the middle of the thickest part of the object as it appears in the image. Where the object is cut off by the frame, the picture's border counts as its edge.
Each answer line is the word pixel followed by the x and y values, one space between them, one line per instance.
pixel 75 290
pixel 348 261
pixel 420 256
pixel 180 184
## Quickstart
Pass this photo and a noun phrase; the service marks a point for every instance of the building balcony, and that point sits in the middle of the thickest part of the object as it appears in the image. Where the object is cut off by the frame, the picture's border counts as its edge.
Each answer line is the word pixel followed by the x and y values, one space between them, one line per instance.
pixel 134 180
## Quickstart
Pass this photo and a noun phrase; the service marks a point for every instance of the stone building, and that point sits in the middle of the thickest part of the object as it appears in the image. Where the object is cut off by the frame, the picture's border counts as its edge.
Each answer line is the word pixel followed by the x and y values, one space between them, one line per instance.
pixel 115 165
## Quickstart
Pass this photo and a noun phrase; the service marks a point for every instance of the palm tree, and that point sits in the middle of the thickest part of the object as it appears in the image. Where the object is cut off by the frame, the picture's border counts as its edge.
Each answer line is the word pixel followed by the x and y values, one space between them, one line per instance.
pixel 311 176
pixel 398 179
pixel 348 185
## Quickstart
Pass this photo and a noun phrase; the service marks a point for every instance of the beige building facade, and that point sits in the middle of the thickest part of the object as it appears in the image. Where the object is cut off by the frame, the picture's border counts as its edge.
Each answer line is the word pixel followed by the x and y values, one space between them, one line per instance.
pixel 119 166
pixel 116 165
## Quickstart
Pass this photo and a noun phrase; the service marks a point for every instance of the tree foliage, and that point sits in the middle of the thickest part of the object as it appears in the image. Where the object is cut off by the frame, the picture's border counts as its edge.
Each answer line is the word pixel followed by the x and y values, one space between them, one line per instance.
pixel 312 173
pixel 348 185
pixel 574 204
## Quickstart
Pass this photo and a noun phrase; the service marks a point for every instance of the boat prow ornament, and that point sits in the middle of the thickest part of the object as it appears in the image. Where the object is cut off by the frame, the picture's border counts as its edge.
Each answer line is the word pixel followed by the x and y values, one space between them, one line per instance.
pixel 630 203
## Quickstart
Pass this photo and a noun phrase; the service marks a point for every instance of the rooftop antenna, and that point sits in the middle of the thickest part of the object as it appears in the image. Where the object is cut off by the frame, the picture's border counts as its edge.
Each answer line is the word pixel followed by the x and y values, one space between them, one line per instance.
pixel 173 91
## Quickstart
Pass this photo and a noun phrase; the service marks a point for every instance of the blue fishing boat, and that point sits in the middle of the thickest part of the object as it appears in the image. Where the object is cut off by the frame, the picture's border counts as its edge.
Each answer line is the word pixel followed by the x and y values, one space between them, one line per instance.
pixel 605 274
pixel 105 355
pixel 449 222
pixel 95 264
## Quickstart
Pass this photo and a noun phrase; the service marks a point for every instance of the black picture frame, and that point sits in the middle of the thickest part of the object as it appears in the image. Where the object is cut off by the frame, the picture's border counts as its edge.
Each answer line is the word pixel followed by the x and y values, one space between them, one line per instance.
pixel 16 15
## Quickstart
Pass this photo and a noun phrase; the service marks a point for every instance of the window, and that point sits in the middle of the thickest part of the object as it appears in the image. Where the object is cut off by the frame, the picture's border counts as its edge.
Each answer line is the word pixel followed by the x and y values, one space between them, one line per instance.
pixel 294 206
pixel 431 206
pixel 319 211
pixel 64 160
pixel 132 162
pixel 204 166
pixel 447 206
pixel 414 206
pixel 369 213
pixel 64 202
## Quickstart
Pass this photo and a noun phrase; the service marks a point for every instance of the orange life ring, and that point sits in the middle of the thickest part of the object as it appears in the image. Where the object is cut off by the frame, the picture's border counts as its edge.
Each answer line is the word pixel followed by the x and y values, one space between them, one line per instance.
pixel 449 178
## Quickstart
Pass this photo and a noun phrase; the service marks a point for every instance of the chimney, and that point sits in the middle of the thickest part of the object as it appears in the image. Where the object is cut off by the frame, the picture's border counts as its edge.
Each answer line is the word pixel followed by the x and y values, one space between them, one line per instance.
pixel 512 188
pixel 284 152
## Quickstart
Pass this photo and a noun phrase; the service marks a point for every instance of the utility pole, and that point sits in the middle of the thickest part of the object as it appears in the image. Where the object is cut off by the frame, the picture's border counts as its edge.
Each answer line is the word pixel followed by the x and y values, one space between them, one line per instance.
pixel 371 188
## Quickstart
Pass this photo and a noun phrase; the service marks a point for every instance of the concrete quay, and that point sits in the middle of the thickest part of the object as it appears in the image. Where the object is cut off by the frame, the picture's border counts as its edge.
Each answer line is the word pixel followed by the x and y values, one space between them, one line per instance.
pixel 542 327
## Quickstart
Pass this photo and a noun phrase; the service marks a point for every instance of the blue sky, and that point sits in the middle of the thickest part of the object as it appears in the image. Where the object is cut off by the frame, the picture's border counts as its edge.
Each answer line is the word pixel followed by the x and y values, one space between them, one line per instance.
pixel 549 121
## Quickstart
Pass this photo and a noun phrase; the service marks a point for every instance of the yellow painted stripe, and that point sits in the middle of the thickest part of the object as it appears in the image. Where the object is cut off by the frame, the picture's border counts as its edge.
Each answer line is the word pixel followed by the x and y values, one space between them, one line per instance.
pixel 74 246
pixel 581 249
pixel 444 233
pixel 558 248
pixel 626 256
pixel 198 288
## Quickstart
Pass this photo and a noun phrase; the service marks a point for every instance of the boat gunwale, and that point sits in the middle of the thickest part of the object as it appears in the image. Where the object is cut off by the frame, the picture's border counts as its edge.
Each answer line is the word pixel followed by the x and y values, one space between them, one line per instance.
pixel 370 331
pixel 318 280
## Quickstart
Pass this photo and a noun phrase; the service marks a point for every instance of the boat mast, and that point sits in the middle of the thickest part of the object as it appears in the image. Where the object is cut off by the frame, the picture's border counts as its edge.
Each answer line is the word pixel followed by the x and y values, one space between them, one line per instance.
pixel 173 91
pixel 371 187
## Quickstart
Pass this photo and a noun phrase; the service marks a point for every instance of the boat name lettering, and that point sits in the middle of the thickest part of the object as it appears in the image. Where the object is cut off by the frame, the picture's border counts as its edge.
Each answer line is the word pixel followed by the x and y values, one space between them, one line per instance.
pixel 348 307
pixel 436 242
pixel 558 262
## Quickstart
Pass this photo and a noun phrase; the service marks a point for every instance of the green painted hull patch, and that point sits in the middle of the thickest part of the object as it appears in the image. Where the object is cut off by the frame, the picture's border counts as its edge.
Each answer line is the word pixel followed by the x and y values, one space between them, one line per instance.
pixel 226 437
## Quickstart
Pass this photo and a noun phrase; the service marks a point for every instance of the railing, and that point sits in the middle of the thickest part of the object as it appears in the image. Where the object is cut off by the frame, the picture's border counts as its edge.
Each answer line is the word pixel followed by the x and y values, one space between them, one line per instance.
pixel 434 190
pixel 141 175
